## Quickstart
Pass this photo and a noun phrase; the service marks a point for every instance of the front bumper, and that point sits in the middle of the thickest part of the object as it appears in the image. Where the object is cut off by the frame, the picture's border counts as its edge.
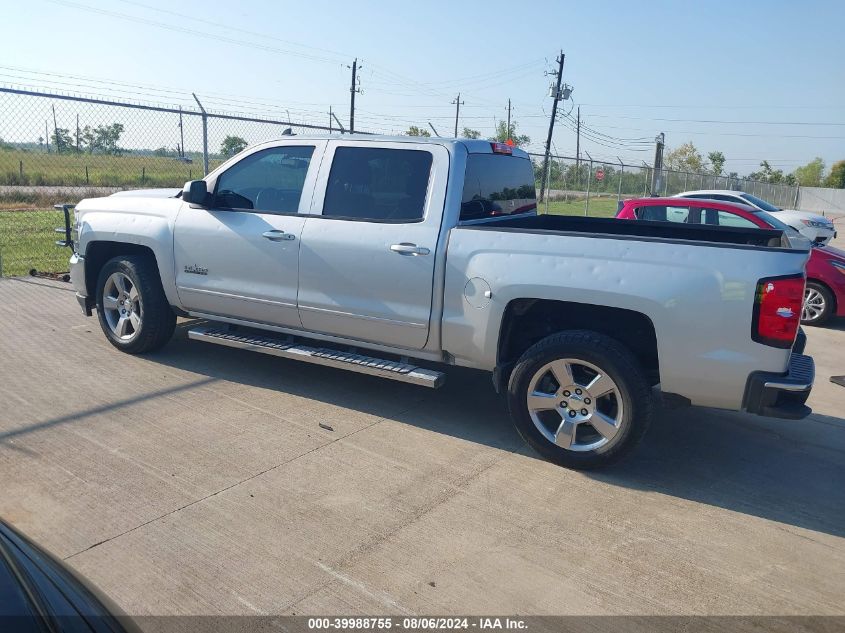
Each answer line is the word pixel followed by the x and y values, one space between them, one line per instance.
pixel 77 278
pixel 817 235
pixel 782 395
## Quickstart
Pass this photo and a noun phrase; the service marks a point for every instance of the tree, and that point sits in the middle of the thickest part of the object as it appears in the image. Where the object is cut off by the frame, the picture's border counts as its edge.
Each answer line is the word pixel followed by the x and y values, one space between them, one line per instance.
pixel 469 133
pixel 62 139
pixel 836 177
pixel 685 158
pixel 810 175
pixel 767 174
pixel 232 145
pixel 417 131
pixel 717 162
pixel 106 138
pixel 101 139
pixel 86 138
pixel 502 134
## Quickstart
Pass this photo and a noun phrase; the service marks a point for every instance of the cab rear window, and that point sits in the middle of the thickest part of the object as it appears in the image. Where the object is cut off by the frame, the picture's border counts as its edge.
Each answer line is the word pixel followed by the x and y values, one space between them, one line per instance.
pixel 497 185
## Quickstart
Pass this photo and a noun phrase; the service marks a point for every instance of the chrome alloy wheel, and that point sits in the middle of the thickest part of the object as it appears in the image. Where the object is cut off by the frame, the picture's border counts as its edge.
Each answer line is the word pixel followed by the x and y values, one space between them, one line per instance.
pixel 814 304
pixel 122 306
pixel 575 405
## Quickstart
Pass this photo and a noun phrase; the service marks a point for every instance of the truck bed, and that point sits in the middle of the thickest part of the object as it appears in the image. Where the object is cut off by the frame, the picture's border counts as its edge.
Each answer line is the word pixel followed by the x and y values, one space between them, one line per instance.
pixel 642 230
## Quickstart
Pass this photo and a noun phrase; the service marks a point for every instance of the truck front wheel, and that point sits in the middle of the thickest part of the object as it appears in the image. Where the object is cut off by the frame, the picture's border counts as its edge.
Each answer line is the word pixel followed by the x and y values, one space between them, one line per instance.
pixel 133 311
pixel 580 399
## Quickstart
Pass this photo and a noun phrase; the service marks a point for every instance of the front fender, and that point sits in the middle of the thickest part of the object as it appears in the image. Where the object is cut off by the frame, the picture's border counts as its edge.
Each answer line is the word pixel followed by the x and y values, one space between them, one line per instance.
pixel 140 222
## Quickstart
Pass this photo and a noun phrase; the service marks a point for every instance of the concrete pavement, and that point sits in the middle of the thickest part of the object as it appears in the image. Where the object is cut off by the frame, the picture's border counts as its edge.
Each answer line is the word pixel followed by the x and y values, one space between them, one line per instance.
pixel 198 480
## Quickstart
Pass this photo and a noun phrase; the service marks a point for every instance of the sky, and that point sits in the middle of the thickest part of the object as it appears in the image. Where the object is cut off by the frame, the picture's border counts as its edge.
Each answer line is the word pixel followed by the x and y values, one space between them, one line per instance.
pixel 755 80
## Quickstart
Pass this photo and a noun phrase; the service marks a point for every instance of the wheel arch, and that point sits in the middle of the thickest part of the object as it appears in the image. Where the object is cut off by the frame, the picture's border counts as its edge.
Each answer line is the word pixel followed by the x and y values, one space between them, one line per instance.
pixel 526 321
pixel 101 251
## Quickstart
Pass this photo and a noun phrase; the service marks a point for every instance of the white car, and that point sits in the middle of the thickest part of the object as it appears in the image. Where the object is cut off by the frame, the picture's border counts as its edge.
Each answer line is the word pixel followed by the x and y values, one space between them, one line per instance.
pixel 816 228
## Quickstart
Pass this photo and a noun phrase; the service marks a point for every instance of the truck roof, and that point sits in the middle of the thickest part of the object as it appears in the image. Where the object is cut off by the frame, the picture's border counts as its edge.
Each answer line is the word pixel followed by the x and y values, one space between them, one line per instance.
pixel 473 146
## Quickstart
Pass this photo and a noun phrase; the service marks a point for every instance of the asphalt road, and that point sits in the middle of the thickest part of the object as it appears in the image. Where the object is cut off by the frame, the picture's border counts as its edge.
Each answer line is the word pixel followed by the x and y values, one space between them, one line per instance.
pixel 198 480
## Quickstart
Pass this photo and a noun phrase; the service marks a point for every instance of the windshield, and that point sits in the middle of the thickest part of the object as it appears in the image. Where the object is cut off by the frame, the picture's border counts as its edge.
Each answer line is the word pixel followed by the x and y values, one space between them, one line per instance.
pixel 773 221
pixel 759 202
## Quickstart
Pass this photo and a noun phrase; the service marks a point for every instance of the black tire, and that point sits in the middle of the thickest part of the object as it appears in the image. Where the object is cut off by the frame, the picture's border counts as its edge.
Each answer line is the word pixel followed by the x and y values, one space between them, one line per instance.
pixel 829 304
pixel 157 319
pixel 615 361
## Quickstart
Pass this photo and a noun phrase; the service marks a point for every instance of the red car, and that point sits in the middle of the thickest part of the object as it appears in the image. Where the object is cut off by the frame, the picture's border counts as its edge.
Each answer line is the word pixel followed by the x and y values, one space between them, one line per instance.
pixel 824 295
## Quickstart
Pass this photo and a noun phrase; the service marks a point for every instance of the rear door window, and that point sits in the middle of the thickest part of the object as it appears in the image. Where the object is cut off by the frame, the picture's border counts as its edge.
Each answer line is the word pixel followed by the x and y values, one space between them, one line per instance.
pixel 377 184
pixel 667 213
pixel 715 217
pixel 496 185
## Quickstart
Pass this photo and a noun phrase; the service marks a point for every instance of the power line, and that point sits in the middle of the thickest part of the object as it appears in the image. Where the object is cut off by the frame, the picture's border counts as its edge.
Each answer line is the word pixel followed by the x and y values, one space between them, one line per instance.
pixel 713 106
pixel 720 122
pixel 182 29
pixel 229 27
pixel 641 140
pixel 740 134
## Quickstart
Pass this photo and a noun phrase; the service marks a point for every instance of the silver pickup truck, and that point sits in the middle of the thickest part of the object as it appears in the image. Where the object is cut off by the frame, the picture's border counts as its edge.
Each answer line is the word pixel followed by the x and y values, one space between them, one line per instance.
pixel 399 256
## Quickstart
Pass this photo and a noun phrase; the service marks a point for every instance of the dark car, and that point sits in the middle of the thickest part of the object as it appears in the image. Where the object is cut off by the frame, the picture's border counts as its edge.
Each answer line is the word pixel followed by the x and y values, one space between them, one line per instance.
pixel 39 593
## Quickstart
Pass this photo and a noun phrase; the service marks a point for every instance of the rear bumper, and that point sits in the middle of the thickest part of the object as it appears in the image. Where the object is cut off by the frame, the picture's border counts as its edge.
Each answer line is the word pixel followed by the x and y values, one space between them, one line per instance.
pixel 782 395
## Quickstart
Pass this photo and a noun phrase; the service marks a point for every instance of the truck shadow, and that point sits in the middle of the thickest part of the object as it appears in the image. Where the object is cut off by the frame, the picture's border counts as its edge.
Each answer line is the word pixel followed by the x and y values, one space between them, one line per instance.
pixel 792 472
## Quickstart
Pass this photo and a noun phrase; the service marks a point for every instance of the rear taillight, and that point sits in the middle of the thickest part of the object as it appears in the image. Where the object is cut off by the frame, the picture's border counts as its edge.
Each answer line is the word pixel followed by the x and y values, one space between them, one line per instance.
pixel 777 310
pixel 501 148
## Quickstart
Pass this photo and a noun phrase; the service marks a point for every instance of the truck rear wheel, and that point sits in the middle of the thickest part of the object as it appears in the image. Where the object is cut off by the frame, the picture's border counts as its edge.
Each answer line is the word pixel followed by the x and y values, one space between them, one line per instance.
pixel 580 399
pixel 133 311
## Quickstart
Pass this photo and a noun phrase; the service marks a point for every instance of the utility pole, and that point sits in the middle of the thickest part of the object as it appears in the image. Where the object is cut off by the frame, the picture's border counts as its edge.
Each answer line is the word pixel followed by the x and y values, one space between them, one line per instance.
pixel 46 136
pixel 432 129
pixel 353 88
pixel 509 120
pixel 557 97
pixel 657 171
pixel 458 103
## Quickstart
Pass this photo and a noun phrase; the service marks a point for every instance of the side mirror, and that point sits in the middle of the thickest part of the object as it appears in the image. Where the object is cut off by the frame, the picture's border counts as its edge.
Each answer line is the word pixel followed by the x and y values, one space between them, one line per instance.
pixel 195 192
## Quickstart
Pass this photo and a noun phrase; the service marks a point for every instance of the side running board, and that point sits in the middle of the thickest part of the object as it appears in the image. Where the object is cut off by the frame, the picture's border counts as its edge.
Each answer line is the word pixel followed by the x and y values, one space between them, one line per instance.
pixel 403 372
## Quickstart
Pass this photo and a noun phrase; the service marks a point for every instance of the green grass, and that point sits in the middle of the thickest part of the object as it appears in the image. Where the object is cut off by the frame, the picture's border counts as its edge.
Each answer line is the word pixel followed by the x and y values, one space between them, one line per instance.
pixel 598 207
pixel 20 167
pixel 27 241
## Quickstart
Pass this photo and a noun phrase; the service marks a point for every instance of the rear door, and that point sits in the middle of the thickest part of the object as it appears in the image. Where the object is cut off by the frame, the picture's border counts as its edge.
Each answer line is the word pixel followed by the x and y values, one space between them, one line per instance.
pixel 367 255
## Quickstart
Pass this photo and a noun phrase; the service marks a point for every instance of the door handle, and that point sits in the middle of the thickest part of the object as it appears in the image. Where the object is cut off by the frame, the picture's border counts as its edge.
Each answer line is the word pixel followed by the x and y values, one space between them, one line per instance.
pixel 278 236
pixel 406 248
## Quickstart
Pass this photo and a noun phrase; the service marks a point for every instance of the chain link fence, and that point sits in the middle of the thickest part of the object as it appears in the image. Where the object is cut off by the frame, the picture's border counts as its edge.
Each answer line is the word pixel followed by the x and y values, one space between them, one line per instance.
pixel 58 149
pixel 593 187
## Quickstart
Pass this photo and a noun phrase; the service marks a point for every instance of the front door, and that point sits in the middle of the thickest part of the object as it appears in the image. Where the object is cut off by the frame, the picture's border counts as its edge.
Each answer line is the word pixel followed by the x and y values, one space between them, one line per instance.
pixel 368 249
pixel 239 257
